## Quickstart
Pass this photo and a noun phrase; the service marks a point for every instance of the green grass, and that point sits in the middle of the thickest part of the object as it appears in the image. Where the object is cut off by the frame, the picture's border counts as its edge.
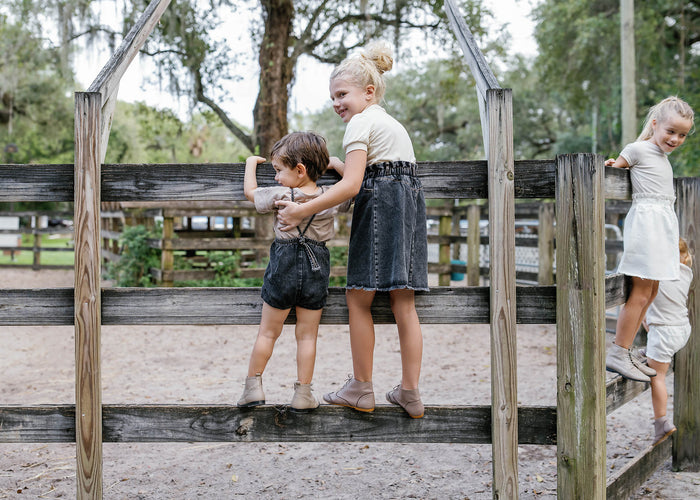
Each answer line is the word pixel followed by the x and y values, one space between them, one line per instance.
pixel 47 257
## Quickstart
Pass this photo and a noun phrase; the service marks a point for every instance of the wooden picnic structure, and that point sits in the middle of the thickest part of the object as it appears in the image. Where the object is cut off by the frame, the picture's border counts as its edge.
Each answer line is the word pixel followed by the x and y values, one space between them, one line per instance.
pixel 579 184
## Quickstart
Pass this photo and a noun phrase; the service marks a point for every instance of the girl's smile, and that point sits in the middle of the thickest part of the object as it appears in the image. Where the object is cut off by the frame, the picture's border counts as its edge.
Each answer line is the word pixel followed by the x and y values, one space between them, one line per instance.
pixel 670 133
pixel 349 99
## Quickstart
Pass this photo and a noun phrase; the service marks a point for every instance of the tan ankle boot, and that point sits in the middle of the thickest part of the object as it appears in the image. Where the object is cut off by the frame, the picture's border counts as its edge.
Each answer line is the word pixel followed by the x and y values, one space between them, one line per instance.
pixel 619 360
pixel 303 399
pixel 408 399
pixel 253 394
pixel 354 394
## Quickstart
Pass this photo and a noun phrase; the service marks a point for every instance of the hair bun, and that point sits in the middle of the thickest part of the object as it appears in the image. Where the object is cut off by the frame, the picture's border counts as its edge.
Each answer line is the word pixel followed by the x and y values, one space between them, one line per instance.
pixel 379 54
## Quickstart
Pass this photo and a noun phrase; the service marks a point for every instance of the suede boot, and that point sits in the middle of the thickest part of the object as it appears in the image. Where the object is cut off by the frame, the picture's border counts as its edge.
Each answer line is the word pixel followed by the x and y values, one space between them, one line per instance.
pixel 253 394
pixel 619 360
pixel 641 363
pixel 407 399
pixel 663 428
pixel 303 399
pixel 354 394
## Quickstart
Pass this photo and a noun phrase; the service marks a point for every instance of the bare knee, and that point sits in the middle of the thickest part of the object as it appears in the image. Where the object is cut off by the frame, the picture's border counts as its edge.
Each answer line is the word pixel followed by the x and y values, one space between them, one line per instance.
pixel 402 301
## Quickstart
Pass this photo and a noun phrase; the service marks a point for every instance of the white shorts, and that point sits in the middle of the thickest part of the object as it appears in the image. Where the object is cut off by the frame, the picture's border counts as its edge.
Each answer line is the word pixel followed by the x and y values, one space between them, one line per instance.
pixel 665 341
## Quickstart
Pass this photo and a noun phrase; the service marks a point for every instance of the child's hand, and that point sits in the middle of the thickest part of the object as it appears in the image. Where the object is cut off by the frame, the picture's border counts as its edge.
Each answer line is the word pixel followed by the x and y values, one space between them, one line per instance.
pixel 336 164
pixel 254 160
pixel 288 214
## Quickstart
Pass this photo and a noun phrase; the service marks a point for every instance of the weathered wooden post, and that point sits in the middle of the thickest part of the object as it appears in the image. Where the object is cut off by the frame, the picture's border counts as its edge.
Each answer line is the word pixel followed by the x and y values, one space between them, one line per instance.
pixel 545 244
pixel 686 385
pixel 167 258
pixel 581 432
pixel 87 295
pixel 473 244
pixel 445 230
pixel 36 249
pixel 504 385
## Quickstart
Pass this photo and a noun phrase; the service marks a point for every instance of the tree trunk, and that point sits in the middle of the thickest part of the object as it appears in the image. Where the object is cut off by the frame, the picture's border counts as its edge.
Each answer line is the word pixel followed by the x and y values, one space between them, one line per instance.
pixel 276 73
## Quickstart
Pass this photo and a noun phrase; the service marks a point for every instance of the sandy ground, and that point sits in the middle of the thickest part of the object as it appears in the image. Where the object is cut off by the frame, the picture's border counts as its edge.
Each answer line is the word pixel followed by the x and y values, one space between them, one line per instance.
pixel 206 365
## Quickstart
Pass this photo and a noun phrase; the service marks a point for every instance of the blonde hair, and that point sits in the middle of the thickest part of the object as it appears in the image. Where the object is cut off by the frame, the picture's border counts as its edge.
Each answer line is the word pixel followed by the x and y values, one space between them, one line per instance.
pixel 663 110
pixel 367 68
pixel 686 257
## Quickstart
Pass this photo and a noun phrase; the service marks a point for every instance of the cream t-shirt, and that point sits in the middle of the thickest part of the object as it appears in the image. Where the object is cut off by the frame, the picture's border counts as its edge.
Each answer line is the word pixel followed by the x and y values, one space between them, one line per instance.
pixel 381 135
pixel 650 171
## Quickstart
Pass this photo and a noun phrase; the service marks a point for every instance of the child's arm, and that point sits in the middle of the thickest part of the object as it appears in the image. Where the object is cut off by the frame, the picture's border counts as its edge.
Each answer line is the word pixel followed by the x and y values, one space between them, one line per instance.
pixel 337 165
pixel 291 214
pixel 250 182
pixel 619 163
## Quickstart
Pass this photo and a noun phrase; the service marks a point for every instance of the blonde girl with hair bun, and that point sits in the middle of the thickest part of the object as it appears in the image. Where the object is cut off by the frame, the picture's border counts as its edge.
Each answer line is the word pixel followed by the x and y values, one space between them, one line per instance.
pixel 388 240
pixel 650 235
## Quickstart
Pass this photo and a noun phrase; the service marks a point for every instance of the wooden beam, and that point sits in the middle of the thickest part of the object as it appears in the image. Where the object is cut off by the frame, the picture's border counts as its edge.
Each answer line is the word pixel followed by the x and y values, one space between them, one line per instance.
pixel 504 369
pixel 485 80
pixel 580 327
pixel 635 472
pixel 87 296
pixel 172 184
pixel 107 81
pixel 686 382
pixel 242 306
pixel 272 423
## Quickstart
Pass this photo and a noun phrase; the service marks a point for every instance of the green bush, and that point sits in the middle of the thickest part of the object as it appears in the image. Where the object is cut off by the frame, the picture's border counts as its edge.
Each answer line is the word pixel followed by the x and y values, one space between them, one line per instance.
pixel 137 258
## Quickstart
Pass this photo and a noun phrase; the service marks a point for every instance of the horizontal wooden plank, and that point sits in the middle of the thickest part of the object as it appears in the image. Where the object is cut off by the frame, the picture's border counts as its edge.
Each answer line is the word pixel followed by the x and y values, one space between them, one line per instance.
pixel 620 390
pixel 615 290
pixel 224 181
pixel 36 182
pixel 617 184
pixel 635 472
pixel 243 306
pixel 42 306
pixel 227 423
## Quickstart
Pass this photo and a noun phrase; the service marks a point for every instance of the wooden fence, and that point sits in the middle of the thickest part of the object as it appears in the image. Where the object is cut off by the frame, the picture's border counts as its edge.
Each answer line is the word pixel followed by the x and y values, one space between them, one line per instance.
pixel 36 233
pixel 577 304
pixel 578 183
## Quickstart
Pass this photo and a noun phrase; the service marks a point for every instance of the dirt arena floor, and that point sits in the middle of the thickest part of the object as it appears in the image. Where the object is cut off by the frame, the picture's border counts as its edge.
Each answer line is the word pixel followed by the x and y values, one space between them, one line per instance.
pixel 207 365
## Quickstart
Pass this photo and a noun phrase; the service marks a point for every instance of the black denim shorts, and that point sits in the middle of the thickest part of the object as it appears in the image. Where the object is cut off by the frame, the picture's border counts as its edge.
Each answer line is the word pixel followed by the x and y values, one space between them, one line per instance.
pixel 289 278
pixel 388 240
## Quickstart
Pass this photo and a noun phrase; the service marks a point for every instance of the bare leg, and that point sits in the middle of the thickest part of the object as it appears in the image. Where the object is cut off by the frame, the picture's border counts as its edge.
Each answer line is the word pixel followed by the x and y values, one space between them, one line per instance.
pixel 410 336
pixel 659 393
pixel 642 294
pixel 306 333
pixel 271 324
pixel 361 332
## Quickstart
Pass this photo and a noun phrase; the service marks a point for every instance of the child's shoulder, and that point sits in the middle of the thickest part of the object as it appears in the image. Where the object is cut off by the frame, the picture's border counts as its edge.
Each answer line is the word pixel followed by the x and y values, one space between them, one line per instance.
pixel 265 197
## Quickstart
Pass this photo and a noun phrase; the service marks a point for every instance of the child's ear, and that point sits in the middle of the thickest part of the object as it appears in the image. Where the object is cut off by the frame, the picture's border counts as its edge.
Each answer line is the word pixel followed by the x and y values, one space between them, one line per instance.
pixel 300 169
pixel 370 92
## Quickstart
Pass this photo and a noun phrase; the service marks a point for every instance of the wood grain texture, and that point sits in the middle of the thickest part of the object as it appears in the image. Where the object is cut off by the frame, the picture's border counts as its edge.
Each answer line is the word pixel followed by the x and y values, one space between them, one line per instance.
pixel 87 295
pixel 242 306
pixel 223 182
pixel 686 452
pixel 504 369
pixel 227 423
pixel 580 255
pixel 634 474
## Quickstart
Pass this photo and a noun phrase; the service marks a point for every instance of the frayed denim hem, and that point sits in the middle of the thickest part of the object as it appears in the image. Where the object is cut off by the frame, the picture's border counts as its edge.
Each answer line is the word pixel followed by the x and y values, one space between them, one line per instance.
pixel 389 289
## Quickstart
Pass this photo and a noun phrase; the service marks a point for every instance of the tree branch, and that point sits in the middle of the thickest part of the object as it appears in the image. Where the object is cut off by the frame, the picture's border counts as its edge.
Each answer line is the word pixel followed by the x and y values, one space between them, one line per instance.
pixel 246 139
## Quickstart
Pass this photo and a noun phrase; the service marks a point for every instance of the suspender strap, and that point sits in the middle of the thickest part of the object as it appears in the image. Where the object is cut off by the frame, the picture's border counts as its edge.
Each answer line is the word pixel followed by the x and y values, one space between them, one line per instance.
pixel 302 240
